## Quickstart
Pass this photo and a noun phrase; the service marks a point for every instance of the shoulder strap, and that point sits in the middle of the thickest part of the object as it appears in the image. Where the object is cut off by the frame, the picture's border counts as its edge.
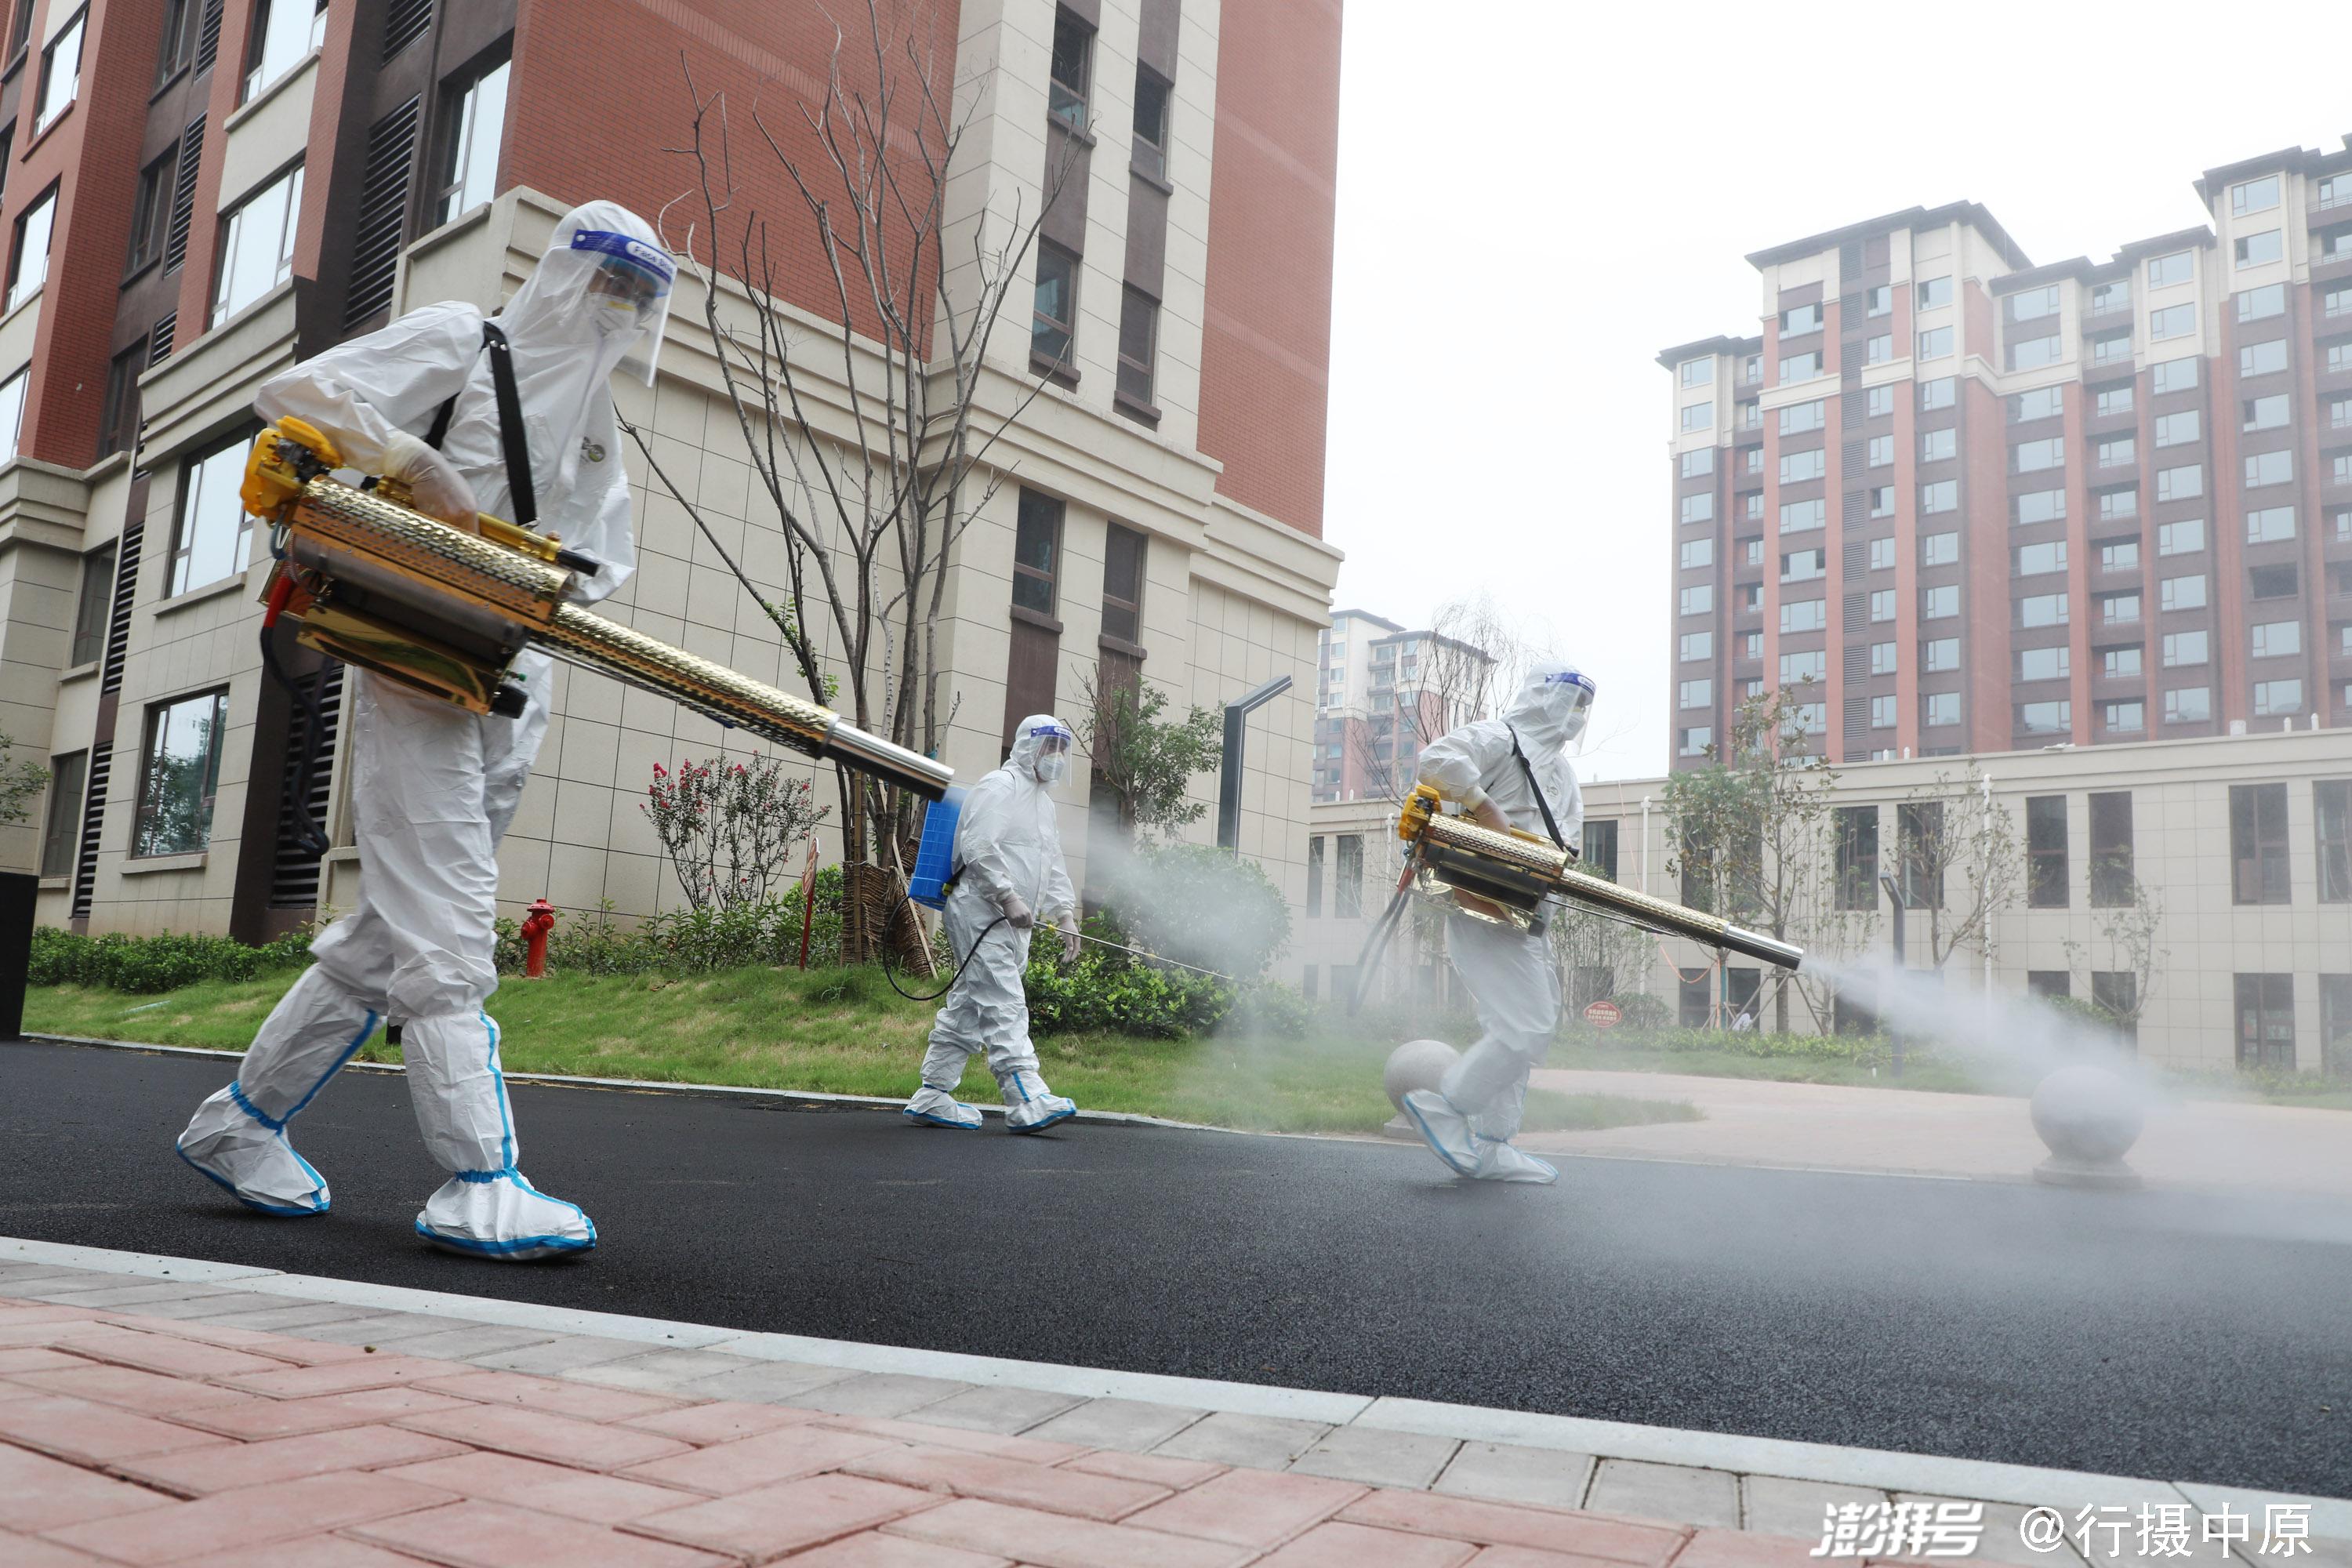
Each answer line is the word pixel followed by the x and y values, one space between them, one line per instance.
pixel 520 494
pixel 1542 802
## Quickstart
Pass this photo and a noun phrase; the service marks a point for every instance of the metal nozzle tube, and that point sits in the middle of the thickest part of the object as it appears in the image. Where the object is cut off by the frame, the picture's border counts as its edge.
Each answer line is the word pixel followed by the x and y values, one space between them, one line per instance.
pixel 870 753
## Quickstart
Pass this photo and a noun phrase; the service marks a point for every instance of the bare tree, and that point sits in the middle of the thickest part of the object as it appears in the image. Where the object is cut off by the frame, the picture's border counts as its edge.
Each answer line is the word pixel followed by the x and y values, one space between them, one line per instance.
pixel 1957 858
pixel 871 498
pixel 1464 667
pixel 2131 934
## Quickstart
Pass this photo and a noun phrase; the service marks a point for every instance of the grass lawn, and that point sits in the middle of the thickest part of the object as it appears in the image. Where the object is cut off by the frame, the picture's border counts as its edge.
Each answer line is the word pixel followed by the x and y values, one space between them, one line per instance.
pixel 841 1031
pixel 1928 1073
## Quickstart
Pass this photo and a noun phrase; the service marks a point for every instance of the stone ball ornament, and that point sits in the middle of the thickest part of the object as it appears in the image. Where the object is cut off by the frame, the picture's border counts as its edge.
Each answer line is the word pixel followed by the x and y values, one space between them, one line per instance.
pixel 2089 1116
pixel 1416 1064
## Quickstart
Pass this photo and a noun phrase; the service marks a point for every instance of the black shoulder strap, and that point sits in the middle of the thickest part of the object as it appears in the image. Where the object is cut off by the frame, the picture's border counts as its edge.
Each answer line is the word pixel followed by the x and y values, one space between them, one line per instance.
pixel 1542 803
pixel 522 498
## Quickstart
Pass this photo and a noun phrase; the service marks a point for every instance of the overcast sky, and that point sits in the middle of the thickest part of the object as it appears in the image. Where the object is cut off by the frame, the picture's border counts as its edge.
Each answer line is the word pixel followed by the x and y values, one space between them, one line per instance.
pixel 1537 195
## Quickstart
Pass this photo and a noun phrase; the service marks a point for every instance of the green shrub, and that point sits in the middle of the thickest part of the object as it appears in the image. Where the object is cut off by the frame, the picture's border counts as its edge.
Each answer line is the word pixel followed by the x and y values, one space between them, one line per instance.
pixel 145 965
pixel 1200 905
pixel 1108 990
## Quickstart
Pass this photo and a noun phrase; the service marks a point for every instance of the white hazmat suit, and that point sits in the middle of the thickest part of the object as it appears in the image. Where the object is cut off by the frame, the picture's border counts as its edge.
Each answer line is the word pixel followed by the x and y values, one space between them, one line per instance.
pixel 1009 875
pixel 435 785
pixel 1472 1116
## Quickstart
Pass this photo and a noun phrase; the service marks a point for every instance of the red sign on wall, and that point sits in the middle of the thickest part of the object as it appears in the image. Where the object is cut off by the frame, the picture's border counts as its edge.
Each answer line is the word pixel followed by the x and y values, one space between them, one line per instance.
pixel 1603 1015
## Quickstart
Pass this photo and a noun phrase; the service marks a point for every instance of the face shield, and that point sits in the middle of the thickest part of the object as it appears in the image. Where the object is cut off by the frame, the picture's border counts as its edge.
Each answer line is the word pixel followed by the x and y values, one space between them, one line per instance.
pixel 597 301
pixel 1553 705
pixel 1040 747
pixel 627 295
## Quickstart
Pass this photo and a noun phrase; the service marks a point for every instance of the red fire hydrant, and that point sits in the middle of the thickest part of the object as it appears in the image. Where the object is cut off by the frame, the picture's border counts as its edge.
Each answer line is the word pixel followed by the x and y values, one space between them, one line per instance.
pixel 535 927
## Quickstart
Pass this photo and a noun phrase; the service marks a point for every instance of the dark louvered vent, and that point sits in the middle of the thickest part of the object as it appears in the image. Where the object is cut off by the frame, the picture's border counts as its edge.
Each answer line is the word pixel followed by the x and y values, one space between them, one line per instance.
pixel 404 22
pixel 1850 359
pixel 294 871
pixel 1851 504
pixel 93 811
pixel 1857 557
pixel 208 36
pixel 1857 719
pixel 383 214
pixel 118 620
pixel 109 680
pixel 1857 613
pixel 1856 661
pixel 184 195
pixel 165 331
pixel 1851 463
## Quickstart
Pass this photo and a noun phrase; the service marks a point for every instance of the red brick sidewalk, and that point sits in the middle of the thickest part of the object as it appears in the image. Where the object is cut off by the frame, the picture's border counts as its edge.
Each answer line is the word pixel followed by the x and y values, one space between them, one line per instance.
pixel 133 1440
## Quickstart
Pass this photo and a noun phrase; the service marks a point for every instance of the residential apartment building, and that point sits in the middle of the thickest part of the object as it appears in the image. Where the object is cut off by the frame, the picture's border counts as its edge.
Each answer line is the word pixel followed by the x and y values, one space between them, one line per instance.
pixel 2243 843
pixel 1382 693
pixel 1967 503
pixel 200 193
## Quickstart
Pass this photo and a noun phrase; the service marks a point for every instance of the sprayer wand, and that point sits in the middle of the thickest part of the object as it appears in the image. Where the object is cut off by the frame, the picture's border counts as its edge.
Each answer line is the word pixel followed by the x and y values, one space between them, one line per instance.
pixel 1155 958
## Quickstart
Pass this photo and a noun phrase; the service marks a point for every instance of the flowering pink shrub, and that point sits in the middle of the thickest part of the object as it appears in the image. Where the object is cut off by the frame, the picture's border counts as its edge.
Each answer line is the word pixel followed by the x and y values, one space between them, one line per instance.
pixel 733 830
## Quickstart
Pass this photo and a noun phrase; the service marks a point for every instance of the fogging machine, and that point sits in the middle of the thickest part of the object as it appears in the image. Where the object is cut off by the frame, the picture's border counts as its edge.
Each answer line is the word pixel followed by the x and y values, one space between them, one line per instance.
pixel 376 583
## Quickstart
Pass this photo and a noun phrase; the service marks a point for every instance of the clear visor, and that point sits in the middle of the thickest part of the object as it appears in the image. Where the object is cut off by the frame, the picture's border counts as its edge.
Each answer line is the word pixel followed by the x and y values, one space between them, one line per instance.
pixel 1050 742
pixel 631 272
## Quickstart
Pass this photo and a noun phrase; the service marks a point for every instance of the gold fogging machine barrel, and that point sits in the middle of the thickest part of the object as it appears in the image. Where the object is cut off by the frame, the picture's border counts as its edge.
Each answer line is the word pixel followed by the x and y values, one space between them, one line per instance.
pixel 380 586
pixel 1517 871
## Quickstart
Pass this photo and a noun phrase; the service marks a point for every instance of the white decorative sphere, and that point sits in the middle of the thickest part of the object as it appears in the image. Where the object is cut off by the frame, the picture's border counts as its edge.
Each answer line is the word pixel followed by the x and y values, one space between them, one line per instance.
pixel 2087 1114
pixel 1416 1064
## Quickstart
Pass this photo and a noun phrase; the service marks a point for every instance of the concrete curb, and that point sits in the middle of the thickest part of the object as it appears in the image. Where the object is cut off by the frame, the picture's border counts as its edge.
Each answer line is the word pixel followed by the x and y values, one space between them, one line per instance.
pixel 1881 1468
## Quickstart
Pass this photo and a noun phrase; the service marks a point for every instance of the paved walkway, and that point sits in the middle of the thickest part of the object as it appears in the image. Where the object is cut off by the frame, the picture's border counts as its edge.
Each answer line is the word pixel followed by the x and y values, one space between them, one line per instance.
pixel 159 1410
pixel 1756 1121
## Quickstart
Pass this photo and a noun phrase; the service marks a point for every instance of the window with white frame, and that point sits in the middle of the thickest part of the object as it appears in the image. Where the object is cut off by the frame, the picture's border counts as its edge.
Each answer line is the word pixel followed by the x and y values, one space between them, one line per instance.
pixel 1882 500
pixel 2182 648
pixel 1698 371
pixel 2267 524
pixel 2276 639
pixel 284 33
pixel 2272 698
pixel 1699 508
pixel 1939 603
pixel 2165 271
pixel 2044 663
pixel 1697 462
pixel 1936 342
pixel 1882 712
pixel 1881 555
pixel 2178 430
pixel 1796 467
pixel 2172 321
pixel 1939 655
pixel 213 528
pixel 2186 537
pixel 1882 605
pixel 470 165
pixel 1943 708
pixel 258 245
pixel 1942 392
pixel 2182 592
pixel 1881 659
pixel 1942 496
pixel 2188 705
pixel 2269 468
pixel 12 412
pixel 1938 446
pixel 60 70
pixel 2041 610
pixel 2181 483
pixel 28 260
pixel 1698 416
pixel 1805 615
pixel 1939 549
pixel 2261 304
pixel 2040 505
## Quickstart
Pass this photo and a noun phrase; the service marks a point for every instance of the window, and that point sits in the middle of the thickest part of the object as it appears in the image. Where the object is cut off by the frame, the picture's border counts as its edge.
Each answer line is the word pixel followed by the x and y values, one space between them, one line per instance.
pixel 2265 1005
pixel 2048 984
pixel 1139 334
pixel 2261 304
pixel 2182 592
pixel 12 412
pixel 1055 316
pixel 1877 402
pixel 61 826
pixel 1698 552
pixel 1856 829
pixel 1694 741
pixel 1071 71
pixel 282 39
pixel 470 162
pixel 1939 603
pixel 2335 303
pixel 258 245
pixel 1698 599
pixel 60 71
pixel 2255 196
pixel 1939 549
pixel 2339 415
pixel 1749 416
pixel 1752 459
pixel 1938 446
pixel 1935 292
pixel 2172 321
pixel 1796 668
pixel 2046 718
pixel 2266 524
pixel 1799 320
pixel 2263 413
pixel 1036 551
pixel 1600 856
pixel 2177 430
pixel 2181 483
pixel 2121 555
pixel 1881 659
pixel 1803 565
pixel 1348 881
pixel 1943 709
pixel 1148 151
pixel 2123 718
pixel 1698 371
pixel 1750 597
pixel 1799 367
pixel 2040 505
pixel 2116 452
pixel 1882 500
pixel 2115 295
pixel 1697 694
pixel 1936 342
pixel 1942 392
pixel 2183 648
pixel 1752 505
pixel 1796 467
pixel 2114 348
pixel 1805 615
pixel 215 529
pixel 1812 717
pixel 1799 417
pixel 1699 508
pixel 1882 712
pixel 2032 353
pixel 2114 401
pixel 182 774
pixel 2045 851
pixel 2331 802
pixel 29 262
pixel 1751 553
pixel 1881 555
pixel 2044 404
pixel 1798 516
pixel 2259 249
pixel 2119 661
pixel 1878 350
pixel 151 213
pixel 2269 468
pixel 2185 537
pixel 2119 503
pixel 2042 663
pixel 1880 451
pixel 1882 606
pixel 2258 849
pixel 1698 416
pixel 2262 359
pixel 1696 645
pixel 1123 559
pixel 1942 496
pixel 2040 610
pixel 1697 462
pixel 2034 456
pixel 2339 355
pixel 2274 697
pixel 93 606
pixel 2034 558
pixel 2119 609
pixel 2164 271
pixel 1942 653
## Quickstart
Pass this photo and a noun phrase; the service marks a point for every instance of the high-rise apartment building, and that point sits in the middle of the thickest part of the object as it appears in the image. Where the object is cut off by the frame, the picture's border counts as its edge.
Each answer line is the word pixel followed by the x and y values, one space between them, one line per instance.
pixel 1964 504
pixel 200 193
pixel 1382 693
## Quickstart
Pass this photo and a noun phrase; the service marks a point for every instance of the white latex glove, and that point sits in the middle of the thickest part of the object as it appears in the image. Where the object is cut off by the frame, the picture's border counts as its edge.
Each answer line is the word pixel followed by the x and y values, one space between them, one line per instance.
pixel 1069 934
pixel 435 487
pixel 1016 913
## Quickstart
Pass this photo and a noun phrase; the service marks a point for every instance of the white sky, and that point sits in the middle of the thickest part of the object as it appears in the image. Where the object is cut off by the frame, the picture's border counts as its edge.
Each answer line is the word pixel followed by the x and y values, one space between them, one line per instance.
pixel 1537 195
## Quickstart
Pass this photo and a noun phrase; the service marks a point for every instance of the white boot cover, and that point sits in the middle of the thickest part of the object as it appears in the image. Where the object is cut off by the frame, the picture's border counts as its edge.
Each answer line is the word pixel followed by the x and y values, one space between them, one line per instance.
pixel 1029 1105
pixel 935 1104
pixel 237 1138
pixel 487 1208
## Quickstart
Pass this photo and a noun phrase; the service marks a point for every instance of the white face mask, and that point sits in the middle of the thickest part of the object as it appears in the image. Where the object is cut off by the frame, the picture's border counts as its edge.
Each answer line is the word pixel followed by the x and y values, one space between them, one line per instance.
pixel 1052 770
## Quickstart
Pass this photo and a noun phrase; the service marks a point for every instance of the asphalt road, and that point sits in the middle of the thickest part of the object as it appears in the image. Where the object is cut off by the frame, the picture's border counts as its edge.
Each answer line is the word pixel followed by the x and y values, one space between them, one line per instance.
pixel 2136 1333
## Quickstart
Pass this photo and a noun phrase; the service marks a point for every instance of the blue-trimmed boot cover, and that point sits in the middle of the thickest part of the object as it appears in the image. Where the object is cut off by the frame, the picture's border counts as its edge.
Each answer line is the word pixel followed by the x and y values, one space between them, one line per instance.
pixel 937 1107
pixel 1446 1129
pixel 500 1215
pixel 1029 1105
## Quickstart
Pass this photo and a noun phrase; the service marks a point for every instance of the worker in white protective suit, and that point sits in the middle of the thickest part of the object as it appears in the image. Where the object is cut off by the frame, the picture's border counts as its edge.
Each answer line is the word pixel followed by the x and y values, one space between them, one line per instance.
pixel 1009 875
pixel 1506 772
pixel 437 785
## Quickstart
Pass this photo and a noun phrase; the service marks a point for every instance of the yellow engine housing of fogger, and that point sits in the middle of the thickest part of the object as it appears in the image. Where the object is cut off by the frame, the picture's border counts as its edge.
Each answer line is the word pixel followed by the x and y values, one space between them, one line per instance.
pixel 376 583
pixel 1512 873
